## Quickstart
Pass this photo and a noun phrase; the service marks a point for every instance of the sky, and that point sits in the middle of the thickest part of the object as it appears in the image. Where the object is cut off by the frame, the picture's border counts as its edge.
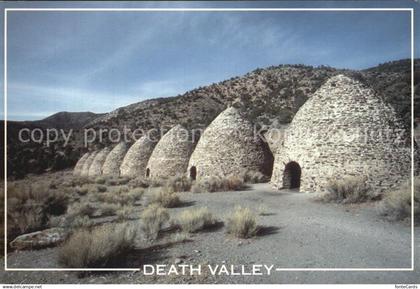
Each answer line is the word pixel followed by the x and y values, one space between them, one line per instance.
pixel 99 61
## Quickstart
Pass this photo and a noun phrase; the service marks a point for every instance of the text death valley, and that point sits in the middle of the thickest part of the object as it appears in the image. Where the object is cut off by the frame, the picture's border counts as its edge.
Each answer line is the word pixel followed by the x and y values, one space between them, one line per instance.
pixel 230 270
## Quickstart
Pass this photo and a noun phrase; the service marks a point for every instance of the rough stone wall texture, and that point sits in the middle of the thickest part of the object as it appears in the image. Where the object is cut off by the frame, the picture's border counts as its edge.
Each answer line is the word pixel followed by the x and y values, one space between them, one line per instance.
pixel 274 138
pixel 87 163
pixel 111 166
pixel 230 145
pixel 337 134
pixel 95 168
pixel 79 165
pixel 172 153
pixel 135 161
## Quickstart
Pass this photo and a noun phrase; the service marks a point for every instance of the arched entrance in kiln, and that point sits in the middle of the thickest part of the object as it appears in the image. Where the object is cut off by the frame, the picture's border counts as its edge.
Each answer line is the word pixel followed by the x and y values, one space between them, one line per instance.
pixel 291 175
pixel 147 172
pixel 193 173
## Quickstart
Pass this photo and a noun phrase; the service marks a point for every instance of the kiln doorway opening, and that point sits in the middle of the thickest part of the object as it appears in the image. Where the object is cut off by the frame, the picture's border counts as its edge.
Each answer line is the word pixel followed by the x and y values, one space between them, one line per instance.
pixel 193 173
pixel 291 176
pixel 147 172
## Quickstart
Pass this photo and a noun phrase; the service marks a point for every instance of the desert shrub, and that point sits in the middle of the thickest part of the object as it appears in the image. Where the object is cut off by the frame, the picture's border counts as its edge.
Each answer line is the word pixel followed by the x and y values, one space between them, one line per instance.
pixel 196 219
pixel 71 221
pixel 232 183
pixel 81 191
pixel 53 185
pixel 396 204
pixel 79 222
pixel 81 209
pixel 98 247
pixel 120 189
pixel 100 180
pixel 139 182
pixel 136 194
pixel 218 184
pixel 25 192
pixel 152 219
pixel 117 181
pixel 154 182
pixel 179 183
pixel 107 209
pixel 31 205
pixel 124 213
pixel 347 190
pixel 166 198
pixel 121 196
pixel 25 220
pixel 101 188
pixel 242 223
pixel 80 181
pixel 55 203
pixel 253 177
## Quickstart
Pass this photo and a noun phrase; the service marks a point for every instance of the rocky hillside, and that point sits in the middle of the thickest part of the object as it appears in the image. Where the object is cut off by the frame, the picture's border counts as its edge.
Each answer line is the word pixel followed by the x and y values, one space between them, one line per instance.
pixel 269 96
pixel 65 120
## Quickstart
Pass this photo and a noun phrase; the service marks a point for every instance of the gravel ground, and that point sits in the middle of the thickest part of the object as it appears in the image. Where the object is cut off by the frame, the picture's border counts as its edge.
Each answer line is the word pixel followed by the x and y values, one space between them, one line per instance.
pixel 298 233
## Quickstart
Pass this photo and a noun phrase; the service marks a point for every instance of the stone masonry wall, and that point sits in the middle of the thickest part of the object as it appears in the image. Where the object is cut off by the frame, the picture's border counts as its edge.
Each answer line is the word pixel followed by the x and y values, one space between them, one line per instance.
pixel 135 161
pixel 88 162
pixel 79 165
pixel 344 130
pixel 230 145
pixel 95 168
pixel 171 154
pixel 111 166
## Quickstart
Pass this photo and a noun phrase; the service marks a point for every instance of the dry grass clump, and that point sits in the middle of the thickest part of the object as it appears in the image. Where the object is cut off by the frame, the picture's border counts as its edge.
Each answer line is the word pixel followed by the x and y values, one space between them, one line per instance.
pixel 348 190
pixel 100 180
pixel 179 183
pixel 26 220
pixel 98 247
pixel 166 198
pixel 396 204
pixel 155 182
pixel 116 181
pixel 79 181
pixel 152 220
pixel 196 219
pixel 136 194
pixel 79 222
pixel 71 221
pixel 122 196
pixel 82 191
pixel 81 209
pixel 242 223
pixel 101 188
pixel 107 209
pixel 218 184
pixel 139 182
pixel 31 205
pixel 124 213
pixel 253 177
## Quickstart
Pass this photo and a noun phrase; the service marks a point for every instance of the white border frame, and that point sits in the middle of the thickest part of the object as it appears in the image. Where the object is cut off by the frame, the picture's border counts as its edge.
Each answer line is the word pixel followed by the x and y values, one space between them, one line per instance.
pixel 411 10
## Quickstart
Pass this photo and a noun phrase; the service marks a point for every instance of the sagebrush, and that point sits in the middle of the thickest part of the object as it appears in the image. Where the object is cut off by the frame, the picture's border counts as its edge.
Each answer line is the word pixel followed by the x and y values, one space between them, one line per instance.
pixel 194 220
pixel 242 223
pixel 98 247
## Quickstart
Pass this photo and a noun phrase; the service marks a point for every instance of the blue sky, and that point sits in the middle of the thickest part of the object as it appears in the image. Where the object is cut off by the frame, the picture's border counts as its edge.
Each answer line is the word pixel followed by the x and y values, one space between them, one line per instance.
pixel 98 61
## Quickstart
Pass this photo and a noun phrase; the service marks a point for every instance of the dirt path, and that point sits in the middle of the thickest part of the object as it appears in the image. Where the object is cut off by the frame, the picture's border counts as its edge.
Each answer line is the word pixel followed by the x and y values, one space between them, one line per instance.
pixel 300 233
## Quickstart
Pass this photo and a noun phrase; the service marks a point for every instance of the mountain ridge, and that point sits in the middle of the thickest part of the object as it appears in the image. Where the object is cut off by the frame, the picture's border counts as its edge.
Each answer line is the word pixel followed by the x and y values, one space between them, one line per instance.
pixel 268 96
